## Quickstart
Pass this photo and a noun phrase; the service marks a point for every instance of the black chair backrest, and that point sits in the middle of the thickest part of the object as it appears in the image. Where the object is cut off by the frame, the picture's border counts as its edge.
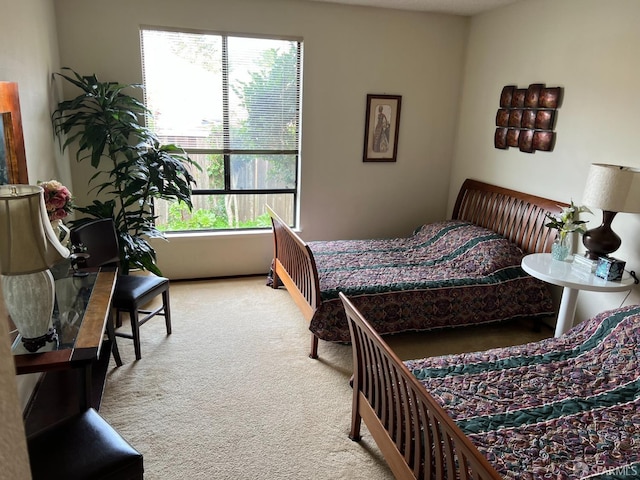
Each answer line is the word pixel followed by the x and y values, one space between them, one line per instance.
pixel 100 239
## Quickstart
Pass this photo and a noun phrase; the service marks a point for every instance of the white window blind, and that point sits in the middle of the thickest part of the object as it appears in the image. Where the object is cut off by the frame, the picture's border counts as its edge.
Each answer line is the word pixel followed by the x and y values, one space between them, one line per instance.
pixel 234 104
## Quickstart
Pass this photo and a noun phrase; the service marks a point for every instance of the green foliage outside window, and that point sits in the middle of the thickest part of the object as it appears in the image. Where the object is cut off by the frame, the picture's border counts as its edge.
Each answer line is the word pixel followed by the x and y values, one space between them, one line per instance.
pixel 248 150
pixel 181 219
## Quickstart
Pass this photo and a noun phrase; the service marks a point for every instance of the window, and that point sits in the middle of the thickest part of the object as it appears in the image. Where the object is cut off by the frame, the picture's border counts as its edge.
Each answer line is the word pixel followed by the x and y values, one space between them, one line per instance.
pixel 233 103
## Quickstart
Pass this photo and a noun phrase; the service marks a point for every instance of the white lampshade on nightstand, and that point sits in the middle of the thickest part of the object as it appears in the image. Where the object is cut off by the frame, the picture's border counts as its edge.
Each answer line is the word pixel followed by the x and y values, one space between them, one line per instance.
pixel 28 247
pixel 613 189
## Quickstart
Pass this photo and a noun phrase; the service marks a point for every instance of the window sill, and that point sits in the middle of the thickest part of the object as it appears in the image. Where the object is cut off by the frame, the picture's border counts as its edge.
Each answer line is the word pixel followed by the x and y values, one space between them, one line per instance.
pixel 221 233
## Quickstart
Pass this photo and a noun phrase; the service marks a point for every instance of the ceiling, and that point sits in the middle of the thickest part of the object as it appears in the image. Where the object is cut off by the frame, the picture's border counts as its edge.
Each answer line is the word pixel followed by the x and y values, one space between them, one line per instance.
pixel 455 7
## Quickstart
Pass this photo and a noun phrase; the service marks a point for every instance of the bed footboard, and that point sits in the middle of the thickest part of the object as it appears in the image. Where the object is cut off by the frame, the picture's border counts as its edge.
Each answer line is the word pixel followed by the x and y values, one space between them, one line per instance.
pixel 416 436
pixel 295 267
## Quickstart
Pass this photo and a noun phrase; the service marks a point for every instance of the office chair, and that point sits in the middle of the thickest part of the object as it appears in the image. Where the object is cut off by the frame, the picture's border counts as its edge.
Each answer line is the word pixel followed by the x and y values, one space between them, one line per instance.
pixel 132 292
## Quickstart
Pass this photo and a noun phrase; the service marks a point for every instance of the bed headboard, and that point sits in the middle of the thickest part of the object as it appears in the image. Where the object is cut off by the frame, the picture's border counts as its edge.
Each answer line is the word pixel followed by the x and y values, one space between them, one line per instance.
pixel 518 216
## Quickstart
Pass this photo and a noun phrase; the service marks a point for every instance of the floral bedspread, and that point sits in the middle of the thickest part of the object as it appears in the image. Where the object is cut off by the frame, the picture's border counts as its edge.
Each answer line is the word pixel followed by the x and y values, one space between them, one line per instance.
pixel 448 273
pixel 562 408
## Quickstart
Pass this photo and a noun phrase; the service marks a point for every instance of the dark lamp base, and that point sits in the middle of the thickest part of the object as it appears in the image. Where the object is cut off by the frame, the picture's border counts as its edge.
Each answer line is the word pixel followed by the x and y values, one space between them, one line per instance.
pixel 34 344
pixel 601 241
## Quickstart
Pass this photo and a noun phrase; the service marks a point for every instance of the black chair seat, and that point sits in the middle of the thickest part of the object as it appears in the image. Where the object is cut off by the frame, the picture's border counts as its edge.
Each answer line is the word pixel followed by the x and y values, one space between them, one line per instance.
pixel 138 290
pixel 83 447
pixel 132 293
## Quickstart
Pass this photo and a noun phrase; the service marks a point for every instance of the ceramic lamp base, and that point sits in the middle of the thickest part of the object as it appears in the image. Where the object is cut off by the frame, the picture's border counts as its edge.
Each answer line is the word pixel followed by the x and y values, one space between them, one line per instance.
pixel 29 299
pixel 601 241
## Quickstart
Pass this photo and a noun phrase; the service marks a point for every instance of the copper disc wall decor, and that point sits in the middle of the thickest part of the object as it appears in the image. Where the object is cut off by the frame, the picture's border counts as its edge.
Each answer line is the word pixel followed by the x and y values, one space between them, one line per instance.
pixel 526 117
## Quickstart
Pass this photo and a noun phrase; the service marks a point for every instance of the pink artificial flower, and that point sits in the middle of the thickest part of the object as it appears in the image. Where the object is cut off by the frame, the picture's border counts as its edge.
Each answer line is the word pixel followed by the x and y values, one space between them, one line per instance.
pixel 57 199
pixel 58 214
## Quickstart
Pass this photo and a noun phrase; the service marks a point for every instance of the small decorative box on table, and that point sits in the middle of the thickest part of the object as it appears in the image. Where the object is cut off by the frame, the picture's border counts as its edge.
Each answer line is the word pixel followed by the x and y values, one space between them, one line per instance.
pixel 610 268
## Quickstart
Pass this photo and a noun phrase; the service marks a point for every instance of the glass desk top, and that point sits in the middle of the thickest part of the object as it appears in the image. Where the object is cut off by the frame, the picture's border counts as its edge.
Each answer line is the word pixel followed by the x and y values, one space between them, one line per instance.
pixel 73 293
pixel 81 312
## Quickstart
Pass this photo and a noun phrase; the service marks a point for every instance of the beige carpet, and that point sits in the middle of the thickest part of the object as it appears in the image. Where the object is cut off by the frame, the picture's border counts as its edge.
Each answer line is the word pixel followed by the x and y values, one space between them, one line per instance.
pixel 232 393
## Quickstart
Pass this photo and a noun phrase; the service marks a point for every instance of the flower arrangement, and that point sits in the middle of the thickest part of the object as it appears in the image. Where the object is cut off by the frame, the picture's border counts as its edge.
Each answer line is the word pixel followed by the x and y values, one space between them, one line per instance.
pixel 567 221
pixel 57 200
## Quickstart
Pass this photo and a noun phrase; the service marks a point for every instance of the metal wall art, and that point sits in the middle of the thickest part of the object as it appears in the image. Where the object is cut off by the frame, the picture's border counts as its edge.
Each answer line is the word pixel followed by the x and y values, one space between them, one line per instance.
pixel 526 117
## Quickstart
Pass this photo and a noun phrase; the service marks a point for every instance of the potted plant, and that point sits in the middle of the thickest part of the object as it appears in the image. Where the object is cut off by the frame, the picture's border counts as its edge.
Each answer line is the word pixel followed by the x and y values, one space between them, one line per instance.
pixel 134 167
pixel 566 222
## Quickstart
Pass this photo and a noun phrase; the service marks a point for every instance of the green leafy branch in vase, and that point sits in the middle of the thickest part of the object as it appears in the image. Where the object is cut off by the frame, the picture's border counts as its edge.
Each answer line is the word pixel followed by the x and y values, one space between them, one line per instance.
pixel 567 221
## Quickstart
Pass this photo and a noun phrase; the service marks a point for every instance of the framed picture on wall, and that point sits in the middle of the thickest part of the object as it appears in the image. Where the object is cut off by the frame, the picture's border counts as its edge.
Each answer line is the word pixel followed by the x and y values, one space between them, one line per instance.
pixel 382 123
pixel 13 158
pixel 8 158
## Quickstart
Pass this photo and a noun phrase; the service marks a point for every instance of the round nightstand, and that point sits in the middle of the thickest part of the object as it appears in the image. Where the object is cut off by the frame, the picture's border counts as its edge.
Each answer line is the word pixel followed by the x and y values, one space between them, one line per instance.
pixel 543 267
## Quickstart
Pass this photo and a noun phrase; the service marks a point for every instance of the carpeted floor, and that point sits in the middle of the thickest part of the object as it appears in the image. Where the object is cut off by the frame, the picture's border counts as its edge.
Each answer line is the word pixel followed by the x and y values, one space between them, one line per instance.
pixel 232 393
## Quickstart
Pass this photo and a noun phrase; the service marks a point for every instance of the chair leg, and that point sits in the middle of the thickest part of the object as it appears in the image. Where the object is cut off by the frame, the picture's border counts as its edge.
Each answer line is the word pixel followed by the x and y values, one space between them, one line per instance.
pixel 135 332
pixel 112 337
pixel 167 310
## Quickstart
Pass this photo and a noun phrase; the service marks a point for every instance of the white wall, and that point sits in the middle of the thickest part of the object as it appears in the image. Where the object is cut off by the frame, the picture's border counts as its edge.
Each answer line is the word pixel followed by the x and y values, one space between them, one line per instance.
pixel 28 55
pixel 349 52
pixel 588 47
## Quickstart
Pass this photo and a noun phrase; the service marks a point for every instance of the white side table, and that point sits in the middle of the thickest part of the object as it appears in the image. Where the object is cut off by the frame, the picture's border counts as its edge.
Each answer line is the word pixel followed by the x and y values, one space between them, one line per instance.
pixel 543 267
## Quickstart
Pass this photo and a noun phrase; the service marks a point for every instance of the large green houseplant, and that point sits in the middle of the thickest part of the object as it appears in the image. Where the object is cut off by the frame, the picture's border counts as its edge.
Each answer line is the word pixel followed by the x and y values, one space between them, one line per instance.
pixel 133 166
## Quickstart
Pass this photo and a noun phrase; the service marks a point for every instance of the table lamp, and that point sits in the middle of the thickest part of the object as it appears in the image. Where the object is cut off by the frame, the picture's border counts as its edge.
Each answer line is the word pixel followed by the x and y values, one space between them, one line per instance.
pixel 613 189
pixel 28 247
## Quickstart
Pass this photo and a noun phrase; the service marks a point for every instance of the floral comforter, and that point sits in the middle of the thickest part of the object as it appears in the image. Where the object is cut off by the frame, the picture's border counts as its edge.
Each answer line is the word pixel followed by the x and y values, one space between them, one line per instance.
pixel 448 273
pixel 562 408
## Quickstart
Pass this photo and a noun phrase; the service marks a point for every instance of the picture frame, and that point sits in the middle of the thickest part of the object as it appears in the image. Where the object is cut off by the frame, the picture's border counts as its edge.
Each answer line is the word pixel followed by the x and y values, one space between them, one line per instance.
pixel 9 173
pixel 382 125
pixel 15 162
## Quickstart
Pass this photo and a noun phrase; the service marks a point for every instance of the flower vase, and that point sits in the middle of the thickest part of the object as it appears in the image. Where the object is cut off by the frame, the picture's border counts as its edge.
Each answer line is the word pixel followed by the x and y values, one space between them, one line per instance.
pixel 560 248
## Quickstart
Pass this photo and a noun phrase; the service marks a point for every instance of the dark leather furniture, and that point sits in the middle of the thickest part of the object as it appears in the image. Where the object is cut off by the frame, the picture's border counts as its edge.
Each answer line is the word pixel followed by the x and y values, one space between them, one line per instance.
pixel 132 292
pixel 83 447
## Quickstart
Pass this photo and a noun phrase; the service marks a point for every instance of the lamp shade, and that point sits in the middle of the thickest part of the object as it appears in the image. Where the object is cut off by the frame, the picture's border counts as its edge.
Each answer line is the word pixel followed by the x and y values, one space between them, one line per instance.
pixel 613 188
pixel 28 243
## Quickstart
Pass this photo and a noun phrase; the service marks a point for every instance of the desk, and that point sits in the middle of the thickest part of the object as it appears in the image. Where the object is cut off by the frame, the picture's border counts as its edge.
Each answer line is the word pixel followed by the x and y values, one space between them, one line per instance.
pixel 556 272
pixel 80 345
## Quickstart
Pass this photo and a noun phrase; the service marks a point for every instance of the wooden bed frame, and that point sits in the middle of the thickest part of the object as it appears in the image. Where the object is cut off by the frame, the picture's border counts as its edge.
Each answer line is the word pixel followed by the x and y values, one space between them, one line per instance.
pixel 518 216
pixel 415 435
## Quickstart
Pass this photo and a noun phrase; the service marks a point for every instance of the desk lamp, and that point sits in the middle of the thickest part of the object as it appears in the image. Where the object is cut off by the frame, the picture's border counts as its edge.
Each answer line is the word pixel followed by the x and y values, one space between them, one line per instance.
pixel 28 247
pixel 613 189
